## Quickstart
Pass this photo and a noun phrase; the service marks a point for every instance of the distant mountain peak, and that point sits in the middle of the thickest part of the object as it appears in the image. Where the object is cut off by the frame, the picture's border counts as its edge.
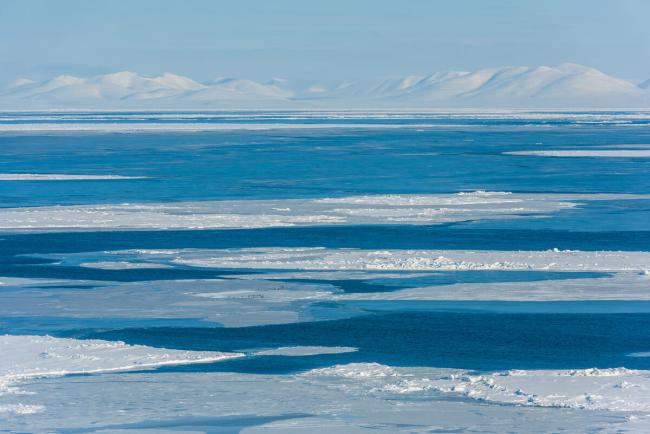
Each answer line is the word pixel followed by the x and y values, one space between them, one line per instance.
pixel 20 82
pixel 567 85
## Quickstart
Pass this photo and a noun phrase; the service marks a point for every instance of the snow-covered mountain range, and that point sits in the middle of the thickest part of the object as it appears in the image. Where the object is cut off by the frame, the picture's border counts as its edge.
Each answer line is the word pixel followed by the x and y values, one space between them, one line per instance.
pixel 562 86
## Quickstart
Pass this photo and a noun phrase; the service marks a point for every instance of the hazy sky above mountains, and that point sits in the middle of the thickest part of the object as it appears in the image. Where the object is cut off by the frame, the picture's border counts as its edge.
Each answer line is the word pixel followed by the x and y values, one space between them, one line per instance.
pixel 333 39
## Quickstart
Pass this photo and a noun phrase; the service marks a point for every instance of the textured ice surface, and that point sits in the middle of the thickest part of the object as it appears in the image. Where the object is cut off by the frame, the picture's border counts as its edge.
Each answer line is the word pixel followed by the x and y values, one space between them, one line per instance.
pixel 616 389
pixel 312 258
pixel 380 209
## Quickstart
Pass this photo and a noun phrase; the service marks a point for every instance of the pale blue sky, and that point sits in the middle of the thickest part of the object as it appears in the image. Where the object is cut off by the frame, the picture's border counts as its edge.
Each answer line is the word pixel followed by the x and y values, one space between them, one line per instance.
pixel 332 39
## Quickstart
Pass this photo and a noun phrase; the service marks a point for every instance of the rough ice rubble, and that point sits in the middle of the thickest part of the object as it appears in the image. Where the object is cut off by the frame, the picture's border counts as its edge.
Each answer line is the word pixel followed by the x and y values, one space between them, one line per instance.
pixel 25 357
pixel 379 209
pixel 313 258
pixel 605 153
pixel 615 389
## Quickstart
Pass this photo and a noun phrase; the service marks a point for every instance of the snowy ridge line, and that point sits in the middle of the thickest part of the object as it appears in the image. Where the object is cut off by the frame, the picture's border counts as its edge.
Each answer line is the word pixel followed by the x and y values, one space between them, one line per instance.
pixel 376 209
pixel 26 357
pixel 613 389
pixel 314 258
pixel 563 85
pixel 61 177
pixel 604 153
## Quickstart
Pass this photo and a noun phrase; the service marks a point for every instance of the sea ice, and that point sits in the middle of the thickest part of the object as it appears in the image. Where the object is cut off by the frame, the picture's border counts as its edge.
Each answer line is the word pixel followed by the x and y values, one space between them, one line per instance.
pixel 606 153
pixel 617 389
pixel 28 357
pixel 60 177
pixel 122 265
pixel 379 209
pixel 304 351
pixel 297 404
pixel 313 258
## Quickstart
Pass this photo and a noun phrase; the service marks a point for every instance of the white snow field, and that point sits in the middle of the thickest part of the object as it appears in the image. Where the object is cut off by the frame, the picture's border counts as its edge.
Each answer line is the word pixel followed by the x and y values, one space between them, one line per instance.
pixel 379 209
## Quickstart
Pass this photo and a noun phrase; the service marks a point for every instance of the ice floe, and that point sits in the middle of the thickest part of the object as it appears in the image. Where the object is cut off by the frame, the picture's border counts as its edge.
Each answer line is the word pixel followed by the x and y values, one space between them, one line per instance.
pixel 313 258
pixel 299 404
pixel 618 286
pixel 304 351
pixel 194 126
pixel 60 177
pixel 606 153
pixel 27 357
pixel 214 302
pixel 379 209
pixel 615 389
pixel 122 265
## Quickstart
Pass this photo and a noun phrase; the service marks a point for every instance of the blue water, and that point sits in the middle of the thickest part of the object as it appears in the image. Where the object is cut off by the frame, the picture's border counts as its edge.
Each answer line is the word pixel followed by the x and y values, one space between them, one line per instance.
pixel 473 340
pixel 458 154
pixel 316 163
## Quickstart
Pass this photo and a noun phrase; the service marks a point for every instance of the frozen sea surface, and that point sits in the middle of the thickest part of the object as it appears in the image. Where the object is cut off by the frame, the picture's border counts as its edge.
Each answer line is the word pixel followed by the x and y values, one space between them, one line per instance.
pixel 302 272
